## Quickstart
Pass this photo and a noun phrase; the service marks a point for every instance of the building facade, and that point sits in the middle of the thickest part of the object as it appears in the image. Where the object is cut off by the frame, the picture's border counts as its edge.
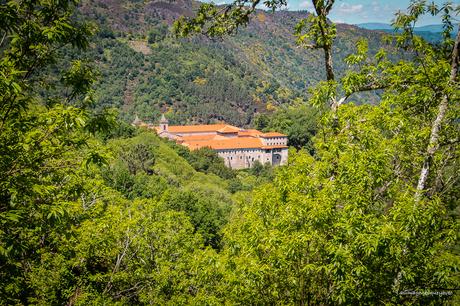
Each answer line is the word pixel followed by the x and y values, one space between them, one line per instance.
pixel 240 148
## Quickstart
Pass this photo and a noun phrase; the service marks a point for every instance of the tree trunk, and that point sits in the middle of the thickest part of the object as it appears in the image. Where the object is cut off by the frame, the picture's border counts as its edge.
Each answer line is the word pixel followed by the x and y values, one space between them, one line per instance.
pixel 436 127
pixel 328 60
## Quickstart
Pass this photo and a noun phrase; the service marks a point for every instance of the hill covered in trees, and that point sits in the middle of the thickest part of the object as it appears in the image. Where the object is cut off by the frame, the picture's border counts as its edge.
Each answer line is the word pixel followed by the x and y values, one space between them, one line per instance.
pixel 145 70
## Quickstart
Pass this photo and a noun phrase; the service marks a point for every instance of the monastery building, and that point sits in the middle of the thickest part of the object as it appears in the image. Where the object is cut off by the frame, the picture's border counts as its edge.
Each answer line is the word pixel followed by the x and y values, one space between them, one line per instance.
pixel 238 147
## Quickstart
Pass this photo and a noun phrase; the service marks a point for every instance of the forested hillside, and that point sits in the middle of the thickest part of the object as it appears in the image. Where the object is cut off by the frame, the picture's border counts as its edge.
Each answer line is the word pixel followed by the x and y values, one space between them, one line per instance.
pixel 147 71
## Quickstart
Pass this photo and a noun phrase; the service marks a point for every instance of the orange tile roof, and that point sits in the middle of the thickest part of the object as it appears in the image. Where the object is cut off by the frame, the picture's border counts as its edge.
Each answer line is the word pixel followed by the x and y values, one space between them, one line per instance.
pixel 273 134
pixel 197 137
pixel 206 137
pixel 247 139
pixel 231 143
pixel 229 129
pixel 220 137
pixel 195 128
pixel 251 132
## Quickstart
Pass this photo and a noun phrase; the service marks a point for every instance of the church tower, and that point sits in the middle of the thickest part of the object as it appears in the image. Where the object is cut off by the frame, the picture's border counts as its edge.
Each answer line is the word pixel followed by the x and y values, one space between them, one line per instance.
pixel 137 121
pixel 163 123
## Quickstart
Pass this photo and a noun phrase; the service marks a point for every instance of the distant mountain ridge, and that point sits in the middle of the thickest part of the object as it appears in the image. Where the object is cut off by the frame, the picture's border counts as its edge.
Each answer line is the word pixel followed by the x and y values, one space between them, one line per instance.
pixel 431 33
pixel 433 28
pixel 375 26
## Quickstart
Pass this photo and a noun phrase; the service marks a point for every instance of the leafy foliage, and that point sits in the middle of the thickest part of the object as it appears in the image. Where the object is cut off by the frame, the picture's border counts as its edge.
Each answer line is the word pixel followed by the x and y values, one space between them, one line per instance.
pixel 96 212
pixel 299 122
pixel 40 166
pixel 206 160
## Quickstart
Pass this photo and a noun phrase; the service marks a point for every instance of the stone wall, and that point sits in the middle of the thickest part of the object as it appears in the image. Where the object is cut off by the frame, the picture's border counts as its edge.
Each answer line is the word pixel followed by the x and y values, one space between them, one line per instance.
pixel 245 158
pixel 274 141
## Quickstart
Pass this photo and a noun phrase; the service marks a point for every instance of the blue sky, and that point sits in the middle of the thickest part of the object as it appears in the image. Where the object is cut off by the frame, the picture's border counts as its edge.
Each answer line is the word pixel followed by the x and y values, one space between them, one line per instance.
pixel 361 11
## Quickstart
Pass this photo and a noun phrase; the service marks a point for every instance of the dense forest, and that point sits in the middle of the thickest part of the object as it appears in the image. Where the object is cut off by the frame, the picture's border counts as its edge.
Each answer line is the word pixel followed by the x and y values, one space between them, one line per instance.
pixel 95 211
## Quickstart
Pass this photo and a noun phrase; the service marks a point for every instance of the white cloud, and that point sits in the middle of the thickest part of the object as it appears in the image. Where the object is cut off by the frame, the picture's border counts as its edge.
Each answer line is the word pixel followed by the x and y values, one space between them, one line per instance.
pixel 375 6
pixel 349 8
pixel 302 5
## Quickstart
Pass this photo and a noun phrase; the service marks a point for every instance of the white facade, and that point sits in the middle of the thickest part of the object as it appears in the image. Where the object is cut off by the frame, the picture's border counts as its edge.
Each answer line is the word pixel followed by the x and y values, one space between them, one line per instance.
pixel 245 158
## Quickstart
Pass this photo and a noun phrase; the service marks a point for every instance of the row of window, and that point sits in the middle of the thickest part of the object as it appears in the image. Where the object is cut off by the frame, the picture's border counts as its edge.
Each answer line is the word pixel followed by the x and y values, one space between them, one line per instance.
pixel 241 157
pixel 240 151
pixel 245 151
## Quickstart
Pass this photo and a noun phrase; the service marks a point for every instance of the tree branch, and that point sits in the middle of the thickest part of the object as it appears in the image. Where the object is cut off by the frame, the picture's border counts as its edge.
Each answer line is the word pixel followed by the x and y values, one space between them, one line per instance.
pixel 365 88
pixel 433 144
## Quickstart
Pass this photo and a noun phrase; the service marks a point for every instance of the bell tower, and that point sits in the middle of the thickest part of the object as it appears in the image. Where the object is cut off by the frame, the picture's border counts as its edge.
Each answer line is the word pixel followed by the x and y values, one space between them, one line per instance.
pixel 136 121
pixel 163 123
